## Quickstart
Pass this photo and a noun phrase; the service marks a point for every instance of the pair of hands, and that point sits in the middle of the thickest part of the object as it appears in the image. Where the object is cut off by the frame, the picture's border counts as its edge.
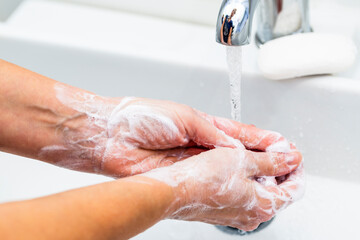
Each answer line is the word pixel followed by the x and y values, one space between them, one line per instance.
pixel 146 134
pixel 213 164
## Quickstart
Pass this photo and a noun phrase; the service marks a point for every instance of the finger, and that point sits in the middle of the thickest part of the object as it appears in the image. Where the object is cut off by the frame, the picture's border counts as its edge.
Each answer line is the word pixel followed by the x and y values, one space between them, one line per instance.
pixel 253 138
pixel 205 134
pixel 273 164
pixel 289 191
pixel 294 186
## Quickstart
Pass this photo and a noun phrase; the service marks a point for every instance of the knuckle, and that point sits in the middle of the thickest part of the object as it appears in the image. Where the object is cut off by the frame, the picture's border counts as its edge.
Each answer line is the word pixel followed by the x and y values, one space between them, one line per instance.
pixel 190 110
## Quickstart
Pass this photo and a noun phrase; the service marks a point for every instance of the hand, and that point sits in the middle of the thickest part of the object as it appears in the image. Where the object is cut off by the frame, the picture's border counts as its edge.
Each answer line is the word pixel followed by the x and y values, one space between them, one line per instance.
pixel 251 137
pixel 144 134
pixel 127 136
pixel 219 186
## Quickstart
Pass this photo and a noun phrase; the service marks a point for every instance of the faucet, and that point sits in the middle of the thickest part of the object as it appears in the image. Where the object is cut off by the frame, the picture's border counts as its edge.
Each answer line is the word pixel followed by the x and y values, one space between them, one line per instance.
pixel 276 18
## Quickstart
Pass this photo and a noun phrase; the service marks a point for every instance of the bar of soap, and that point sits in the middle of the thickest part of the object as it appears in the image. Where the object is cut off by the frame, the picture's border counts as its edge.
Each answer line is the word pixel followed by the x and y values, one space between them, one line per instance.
pixel 306 54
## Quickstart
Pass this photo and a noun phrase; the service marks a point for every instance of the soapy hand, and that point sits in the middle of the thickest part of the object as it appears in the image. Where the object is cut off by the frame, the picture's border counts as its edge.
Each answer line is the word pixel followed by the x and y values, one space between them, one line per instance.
pixel 220 187
pixel 251 137
pixel 127 136
pixel 144 134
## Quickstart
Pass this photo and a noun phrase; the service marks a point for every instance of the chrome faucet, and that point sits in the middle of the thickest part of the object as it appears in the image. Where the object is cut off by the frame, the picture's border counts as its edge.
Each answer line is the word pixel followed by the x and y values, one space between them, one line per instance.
pixel 276 18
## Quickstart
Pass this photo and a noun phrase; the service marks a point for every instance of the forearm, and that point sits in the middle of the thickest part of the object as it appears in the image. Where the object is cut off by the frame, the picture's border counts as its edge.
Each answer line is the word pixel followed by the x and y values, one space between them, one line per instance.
pixel 114 210
pixel 229 38
pixel 26 107
pixel 32 117
pixel 222 33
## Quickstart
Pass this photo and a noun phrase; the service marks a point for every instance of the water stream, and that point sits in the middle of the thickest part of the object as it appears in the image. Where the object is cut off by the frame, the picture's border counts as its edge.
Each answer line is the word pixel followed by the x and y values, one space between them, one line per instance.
pixel 234 61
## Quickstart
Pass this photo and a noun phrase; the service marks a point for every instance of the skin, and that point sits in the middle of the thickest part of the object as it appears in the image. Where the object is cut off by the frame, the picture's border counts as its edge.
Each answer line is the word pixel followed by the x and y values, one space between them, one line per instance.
pixel 114 210
pixel 229 39
pixel 222 32
pixel 227 193
pixel 35 118
pixel 123 208
pixel 36 121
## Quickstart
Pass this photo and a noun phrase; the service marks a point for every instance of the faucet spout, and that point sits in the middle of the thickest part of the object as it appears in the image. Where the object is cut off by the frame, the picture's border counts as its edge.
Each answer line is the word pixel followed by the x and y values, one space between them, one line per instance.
pixel 234 22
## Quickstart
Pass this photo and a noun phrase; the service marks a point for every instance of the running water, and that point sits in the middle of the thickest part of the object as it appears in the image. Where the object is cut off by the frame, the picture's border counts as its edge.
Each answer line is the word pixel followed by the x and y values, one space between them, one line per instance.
pixel 234 61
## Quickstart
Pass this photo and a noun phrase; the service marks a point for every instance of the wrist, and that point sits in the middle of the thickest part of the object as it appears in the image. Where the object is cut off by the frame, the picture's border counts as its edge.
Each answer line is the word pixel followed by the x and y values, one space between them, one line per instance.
pixel 89 137
pixel 163 196
pixel 80 127
pixel 180 184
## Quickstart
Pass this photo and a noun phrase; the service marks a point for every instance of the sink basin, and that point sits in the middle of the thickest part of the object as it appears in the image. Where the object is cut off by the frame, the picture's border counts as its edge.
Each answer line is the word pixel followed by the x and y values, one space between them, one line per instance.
pixel 321 214
pixel 320 114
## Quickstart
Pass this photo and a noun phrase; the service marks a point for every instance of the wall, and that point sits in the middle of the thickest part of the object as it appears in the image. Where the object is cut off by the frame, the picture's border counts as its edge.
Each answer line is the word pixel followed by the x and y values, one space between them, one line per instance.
pixel 6 8
pixel 195 11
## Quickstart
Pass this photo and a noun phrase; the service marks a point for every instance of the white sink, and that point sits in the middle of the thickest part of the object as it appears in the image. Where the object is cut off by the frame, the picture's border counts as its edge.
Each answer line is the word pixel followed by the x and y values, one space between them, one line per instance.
pixel 320 114
pixel 326 212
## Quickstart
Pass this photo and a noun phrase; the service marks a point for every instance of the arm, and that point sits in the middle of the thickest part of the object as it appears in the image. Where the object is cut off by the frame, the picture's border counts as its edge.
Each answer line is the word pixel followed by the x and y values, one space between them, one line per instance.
pixel 229 39
pixel 222 31
pixel 73 128
pixel 196 189
pixel 113 210
pixel 30 112
pixel 70 127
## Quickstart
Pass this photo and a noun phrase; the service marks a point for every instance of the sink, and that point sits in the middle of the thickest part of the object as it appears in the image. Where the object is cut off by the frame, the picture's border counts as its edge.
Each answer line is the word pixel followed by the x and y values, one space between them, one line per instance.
pixel 320 114
pixel 324 213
